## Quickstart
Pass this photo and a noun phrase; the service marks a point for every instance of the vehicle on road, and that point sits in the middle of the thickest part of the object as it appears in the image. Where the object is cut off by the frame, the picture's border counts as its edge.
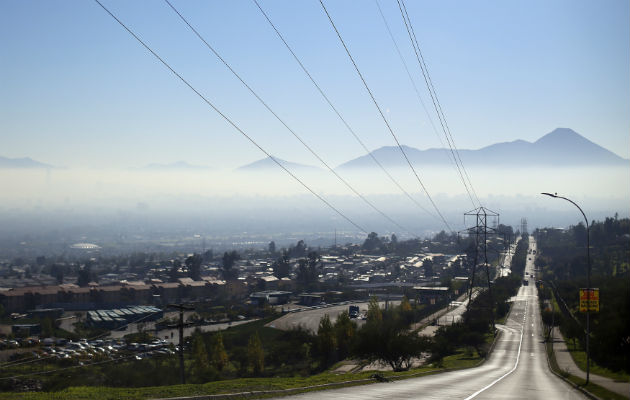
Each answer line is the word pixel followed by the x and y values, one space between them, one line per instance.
pixel 353 311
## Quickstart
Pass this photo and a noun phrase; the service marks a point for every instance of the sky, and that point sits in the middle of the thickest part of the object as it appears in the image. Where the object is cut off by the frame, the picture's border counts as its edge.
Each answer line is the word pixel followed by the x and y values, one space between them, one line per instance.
pixel 78 91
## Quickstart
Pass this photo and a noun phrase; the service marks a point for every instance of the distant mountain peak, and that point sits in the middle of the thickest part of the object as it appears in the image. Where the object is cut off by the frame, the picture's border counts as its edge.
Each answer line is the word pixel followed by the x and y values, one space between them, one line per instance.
pixel 24 162
pixel 562 134
pixel 268 163
pixel 560 147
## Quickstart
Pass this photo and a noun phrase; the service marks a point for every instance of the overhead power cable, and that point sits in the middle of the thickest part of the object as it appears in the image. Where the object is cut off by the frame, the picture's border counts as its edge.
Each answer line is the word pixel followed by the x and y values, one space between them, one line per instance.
pixel 309 148
pixel 436 104
pixel 413 82
pixel 452 158
pixel 380 111
pixel 343 120
pixel 227 119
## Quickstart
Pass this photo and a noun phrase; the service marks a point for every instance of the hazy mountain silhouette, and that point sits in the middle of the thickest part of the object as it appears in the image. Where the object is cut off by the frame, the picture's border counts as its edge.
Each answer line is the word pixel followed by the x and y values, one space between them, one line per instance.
pixel 24 162
pixel 267 164
pixel 179 165
pixel 562 147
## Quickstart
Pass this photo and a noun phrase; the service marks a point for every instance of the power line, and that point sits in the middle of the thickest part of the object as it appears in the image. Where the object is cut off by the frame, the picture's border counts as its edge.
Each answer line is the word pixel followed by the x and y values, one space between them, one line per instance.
pixel 413 83
pixel 313 152
pixel 227 119
pixel 343 120
pixel 452 157
pixel 436 103
pixel 383 117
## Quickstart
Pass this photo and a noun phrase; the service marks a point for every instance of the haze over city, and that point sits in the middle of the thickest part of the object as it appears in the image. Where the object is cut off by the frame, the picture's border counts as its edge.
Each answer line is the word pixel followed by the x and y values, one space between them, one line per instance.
pixel 314 199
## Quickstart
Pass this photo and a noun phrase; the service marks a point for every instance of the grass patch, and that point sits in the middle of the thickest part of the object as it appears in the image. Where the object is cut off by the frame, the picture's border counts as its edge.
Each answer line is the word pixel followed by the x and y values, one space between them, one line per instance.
pixel 579 356
pixel 217 387
pixel 461 359
pixel 597 390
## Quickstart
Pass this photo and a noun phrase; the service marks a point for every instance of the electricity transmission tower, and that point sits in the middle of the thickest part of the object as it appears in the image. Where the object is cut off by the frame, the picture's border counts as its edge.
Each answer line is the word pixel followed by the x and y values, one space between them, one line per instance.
pixel 485 223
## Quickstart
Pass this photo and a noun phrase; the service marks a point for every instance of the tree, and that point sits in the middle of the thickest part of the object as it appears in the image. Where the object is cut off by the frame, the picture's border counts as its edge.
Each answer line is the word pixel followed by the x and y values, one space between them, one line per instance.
pixel 255 354
pixel 173 274
pixel 281 268
pixel 300 249
pixel 374 313
pixel 326 341
pixel 390 341
pixel 47 327
pixel 405 306
pixel 228 270
pixel 372 242
pixel 307 273
pixel 200 362
pixel 217 352
pixel 427 264
pixel 208 255
pixel 345 330
pixel 193 263
pixel 85 275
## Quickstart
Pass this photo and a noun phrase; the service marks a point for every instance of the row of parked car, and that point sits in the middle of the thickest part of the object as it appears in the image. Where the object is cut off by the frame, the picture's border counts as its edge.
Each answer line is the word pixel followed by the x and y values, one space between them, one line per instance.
pixel 85 350
pixel 17 343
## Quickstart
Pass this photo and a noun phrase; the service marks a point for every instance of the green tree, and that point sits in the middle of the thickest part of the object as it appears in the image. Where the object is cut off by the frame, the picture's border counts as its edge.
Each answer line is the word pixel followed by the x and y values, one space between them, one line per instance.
pixel 405 306
pixel 229 259
pixel 282 267
pixel 372 242
pixel 326 341
pixel 427 264
pixel 255 354
pixel 217 351
pixel 48 329
pixel 374 313
pixel 390 341
pixel 193 263
pixel 345 330
pixel 200 357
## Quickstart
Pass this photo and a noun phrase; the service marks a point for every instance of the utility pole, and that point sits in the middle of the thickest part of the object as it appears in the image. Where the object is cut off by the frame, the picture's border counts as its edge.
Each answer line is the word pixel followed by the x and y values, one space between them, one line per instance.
pixel 180 325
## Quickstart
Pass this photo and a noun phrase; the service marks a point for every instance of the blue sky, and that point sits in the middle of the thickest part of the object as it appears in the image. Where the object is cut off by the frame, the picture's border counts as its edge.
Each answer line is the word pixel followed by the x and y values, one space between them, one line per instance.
pixel 78 91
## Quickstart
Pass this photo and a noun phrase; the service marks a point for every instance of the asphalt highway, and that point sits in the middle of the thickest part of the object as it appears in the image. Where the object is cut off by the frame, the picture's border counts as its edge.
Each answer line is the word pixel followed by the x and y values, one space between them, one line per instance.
pixel 516 369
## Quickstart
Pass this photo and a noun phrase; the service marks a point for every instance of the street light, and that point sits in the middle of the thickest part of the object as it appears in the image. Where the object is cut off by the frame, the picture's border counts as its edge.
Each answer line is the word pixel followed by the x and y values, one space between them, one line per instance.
pixel 588 289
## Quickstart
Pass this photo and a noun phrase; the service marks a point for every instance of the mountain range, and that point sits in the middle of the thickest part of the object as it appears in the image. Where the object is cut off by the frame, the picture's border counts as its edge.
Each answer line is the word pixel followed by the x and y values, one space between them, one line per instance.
pixel 561 147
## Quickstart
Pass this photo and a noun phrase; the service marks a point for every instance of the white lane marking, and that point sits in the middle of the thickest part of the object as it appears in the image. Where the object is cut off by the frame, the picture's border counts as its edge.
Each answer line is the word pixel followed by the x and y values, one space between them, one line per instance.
pixel 518 356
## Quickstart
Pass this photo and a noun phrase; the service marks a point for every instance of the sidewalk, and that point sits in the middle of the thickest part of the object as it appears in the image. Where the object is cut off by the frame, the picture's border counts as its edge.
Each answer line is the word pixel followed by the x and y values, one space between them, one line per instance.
pixel 566 363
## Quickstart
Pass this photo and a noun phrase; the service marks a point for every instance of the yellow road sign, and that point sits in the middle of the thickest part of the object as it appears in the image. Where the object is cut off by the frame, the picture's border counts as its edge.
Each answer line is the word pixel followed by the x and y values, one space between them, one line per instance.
pixel 593 299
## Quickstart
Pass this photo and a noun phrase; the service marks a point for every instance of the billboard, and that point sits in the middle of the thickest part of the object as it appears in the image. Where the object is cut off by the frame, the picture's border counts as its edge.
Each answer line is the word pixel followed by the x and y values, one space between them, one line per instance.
pixel 594 299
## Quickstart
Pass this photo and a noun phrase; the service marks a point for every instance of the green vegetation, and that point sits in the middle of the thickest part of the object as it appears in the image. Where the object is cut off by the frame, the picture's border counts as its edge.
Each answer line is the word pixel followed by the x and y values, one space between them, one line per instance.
pixel 579 356
pixel 562 261
pixel 458 360
pixel 597 390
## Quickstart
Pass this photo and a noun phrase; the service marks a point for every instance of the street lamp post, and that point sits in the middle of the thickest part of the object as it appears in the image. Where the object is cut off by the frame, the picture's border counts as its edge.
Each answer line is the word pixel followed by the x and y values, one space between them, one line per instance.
pixel 588 289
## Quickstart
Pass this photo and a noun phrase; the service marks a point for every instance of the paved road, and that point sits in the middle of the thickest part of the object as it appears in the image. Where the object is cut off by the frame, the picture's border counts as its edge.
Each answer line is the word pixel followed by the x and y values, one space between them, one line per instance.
pixel 453 314
pixel 516 369
pixel 504 267
pixel 310 319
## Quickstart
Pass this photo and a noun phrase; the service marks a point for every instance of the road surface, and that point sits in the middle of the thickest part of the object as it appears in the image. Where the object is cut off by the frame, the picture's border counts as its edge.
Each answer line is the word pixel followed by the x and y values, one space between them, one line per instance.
pixel 516 369
pixel 309 319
